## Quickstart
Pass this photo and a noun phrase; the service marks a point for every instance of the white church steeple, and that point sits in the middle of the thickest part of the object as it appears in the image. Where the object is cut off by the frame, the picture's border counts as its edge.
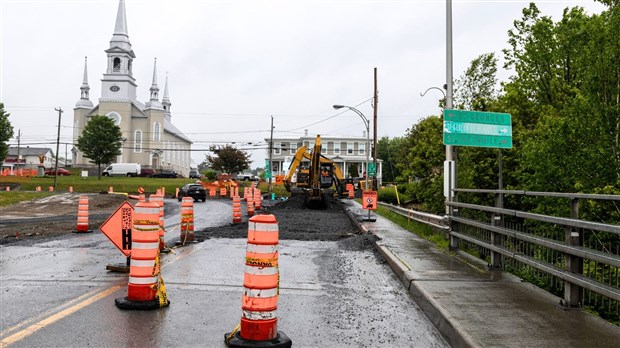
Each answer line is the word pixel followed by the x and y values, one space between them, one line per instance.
pixel 154 102
pixel 166 101
pixel 118 82
pixel 84 101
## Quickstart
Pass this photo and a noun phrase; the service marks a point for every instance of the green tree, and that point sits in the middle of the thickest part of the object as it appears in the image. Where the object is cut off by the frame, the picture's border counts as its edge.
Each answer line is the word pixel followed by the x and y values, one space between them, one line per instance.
pixel 228 159
pixel 100 141
pixel 390 150
pixel 6 132
pixel 477 88
pixel 423 162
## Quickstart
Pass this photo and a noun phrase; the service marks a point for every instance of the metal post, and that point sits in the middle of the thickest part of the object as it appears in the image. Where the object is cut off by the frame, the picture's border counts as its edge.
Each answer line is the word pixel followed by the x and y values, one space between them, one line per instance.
pixel 497 259
pixel 19 136
pixel 449 150
pixel 573 294
pixel 57 147
pixel 270 153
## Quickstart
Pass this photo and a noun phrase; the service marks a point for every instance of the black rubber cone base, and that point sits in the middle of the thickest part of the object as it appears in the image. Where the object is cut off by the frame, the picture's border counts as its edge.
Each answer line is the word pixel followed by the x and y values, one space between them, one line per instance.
pixel 124 303
pixel 119 267
pixel 78 232
pixel 281 341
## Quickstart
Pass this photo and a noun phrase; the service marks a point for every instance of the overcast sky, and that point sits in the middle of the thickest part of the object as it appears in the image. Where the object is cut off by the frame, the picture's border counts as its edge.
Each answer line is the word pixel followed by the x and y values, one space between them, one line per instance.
pixel 233 64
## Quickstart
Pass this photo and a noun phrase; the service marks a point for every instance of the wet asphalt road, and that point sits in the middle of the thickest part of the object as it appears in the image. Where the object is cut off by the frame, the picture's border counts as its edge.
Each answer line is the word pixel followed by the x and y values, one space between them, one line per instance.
pixel 57 293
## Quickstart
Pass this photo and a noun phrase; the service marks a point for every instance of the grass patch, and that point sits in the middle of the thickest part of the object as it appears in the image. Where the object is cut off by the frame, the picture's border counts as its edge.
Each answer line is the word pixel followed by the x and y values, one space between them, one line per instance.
pixel 13 197
pixel 413 226
pixel 92 184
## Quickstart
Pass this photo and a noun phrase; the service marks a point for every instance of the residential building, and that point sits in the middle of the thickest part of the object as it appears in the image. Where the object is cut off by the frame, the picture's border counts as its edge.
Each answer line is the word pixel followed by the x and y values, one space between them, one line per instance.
pixel 149 137
pixel 29 157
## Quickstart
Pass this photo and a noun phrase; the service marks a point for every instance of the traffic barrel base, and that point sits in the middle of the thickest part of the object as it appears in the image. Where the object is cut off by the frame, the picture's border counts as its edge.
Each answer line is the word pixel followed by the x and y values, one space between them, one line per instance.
pixel 125 303
pixel 280 341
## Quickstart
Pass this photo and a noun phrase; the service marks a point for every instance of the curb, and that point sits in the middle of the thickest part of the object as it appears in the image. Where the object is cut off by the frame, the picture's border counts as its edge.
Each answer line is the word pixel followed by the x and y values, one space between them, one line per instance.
pixel 451 330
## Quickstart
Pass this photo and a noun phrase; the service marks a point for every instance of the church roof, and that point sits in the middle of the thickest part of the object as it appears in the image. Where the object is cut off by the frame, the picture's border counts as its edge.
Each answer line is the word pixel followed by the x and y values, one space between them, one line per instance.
pixel 170 128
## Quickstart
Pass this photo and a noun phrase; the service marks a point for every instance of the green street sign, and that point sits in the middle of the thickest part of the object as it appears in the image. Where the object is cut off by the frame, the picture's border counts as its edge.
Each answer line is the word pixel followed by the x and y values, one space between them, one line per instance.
pixel 477 128
pixel 267 170
pixel 372 169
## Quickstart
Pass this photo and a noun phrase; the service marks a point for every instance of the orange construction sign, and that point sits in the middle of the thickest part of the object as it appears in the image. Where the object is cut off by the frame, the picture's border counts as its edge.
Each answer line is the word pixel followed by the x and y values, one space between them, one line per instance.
pixel 369 200
pixel 118 227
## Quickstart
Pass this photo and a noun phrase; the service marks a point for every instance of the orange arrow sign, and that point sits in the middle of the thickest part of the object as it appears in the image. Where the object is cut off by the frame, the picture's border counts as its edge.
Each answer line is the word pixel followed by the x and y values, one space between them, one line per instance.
pixel 118 227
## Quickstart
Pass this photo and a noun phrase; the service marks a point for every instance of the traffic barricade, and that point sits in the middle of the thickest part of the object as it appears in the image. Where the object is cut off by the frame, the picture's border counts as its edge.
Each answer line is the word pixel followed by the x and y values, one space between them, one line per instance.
pixel 261 283
pixel 146 289
pixel 187 220
pixel 236 212
pixel 82 215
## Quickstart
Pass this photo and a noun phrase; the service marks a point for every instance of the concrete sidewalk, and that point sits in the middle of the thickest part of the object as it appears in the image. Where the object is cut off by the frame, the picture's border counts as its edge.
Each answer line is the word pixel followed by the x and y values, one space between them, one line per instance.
pixel 475 307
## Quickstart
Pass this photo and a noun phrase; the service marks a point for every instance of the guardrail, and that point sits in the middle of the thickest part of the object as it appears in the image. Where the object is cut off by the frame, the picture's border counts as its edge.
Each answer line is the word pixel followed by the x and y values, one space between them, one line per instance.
pixel 568 256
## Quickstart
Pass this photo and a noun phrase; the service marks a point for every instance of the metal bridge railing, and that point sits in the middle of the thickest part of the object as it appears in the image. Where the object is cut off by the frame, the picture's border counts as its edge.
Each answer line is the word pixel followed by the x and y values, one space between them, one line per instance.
pixel 573 258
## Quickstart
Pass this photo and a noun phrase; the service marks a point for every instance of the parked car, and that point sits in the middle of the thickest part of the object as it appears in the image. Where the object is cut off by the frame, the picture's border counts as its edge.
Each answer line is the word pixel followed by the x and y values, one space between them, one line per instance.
pixel 247 177
pixel 61 171
pixel 165 174
pixel 193 174
pixel 196 191
pixel 147 172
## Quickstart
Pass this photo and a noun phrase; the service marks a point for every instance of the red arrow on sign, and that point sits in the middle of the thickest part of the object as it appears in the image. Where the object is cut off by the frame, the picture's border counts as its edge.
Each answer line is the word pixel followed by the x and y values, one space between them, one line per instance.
pixel 118 227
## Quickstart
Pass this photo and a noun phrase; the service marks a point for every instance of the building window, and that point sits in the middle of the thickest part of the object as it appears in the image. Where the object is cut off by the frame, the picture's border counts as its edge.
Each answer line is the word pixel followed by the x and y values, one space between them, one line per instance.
pixel 349 148
pixel 117 64
pixel 137 147
pixel 323 147
pixel 293 148
pixel 156 131
pixel 361 148
pixel 276 148
pixel 337 148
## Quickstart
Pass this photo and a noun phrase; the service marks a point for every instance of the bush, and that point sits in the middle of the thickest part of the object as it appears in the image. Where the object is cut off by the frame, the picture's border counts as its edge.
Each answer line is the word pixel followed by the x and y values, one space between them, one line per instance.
pixel 387 195
pixel 210 174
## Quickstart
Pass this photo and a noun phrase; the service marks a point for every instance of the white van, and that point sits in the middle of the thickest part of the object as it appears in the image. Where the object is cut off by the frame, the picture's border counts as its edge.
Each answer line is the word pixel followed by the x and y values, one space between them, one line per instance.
pixel 124 169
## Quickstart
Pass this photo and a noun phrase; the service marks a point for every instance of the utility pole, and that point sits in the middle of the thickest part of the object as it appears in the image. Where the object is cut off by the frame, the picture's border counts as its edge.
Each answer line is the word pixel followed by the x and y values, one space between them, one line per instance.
pixel 57 147
pixel 19 135
pixel 374 129
pixel 451 163
pixel 270 152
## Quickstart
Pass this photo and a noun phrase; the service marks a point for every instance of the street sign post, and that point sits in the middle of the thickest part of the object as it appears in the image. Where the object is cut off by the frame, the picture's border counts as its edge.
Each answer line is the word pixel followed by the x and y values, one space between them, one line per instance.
pixel 477 128
pixel 267 169
pixel 118 228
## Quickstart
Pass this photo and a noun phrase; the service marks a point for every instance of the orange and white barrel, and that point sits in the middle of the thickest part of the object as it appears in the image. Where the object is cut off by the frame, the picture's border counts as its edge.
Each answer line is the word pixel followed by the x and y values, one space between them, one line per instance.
pixel 71 189
pixel 351 191
pixel 187 219
pixel 7 188
pixel 258 199
pixel 38 189
pixel 159 200
pixel 82 217
pixel 246 193
pixel 212 192
pixel 146 289
pixel 261 280
pixel 223 192
pixel 250 206
pixel 111 189
pixel 51 188
pixel 176 193
pixel 236 212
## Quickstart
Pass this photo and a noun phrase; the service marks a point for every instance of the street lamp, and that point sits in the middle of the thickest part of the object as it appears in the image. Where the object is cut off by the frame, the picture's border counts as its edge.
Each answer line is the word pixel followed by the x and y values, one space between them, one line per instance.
pixel 367 134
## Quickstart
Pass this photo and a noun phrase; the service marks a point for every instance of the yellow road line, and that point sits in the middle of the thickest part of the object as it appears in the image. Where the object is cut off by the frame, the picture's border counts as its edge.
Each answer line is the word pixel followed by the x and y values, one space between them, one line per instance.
pixel 54 318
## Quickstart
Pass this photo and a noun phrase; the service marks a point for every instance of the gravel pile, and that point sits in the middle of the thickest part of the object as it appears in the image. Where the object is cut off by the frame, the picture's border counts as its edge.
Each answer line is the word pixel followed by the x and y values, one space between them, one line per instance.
pixel 294 222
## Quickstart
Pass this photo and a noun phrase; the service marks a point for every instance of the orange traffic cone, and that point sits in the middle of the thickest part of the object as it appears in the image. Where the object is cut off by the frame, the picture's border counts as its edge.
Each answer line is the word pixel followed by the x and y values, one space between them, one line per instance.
pixel 236 215
pixel 159 200
pixel 212 192
pixel 82 217
pixel 187 219
pixel 250 207
pixel 351 191
pixel 261 282
pixel 258 201
pixel 146 289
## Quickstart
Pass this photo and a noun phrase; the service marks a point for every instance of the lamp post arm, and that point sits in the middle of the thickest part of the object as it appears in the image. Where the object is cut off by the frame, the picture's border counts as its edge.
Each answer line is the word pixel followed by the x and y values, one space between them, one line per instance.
pixel 437 88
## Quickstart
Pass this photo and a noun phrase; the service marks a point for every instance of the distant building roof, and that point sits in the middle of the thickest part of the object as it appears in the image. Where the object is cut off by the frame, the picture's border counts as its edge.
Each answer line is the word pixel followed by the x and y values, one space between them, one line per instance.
pixel 29 151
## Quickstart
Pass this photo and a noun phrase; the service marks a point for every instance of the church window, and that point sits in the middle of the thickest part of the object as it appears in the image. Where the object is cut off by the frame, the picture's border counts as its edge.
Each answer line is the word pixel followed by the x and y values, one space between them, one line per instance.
pixel 129 67
pixel 156 131
pixel 117 64
pixel 137 141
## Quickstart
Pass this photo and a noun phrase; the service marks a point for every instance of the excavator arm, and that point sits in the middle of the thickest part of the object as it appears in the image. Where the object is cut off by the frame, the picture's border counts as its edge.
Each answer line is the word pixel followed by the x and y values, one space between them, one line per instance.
pixel 299 155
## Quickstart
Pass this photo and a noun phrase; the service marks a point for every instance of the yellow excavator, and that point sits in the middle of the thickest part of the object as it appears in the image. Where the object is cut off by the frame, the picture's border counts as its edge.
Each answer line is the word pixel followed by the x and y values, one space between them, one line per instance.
pixel 315 177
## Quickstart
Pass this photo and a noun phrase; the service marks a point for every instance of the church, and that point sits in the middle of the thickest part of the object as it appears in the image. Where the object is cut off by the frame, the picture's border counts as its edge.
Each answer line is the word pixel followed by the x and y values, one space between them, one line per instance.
pixel 149 137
